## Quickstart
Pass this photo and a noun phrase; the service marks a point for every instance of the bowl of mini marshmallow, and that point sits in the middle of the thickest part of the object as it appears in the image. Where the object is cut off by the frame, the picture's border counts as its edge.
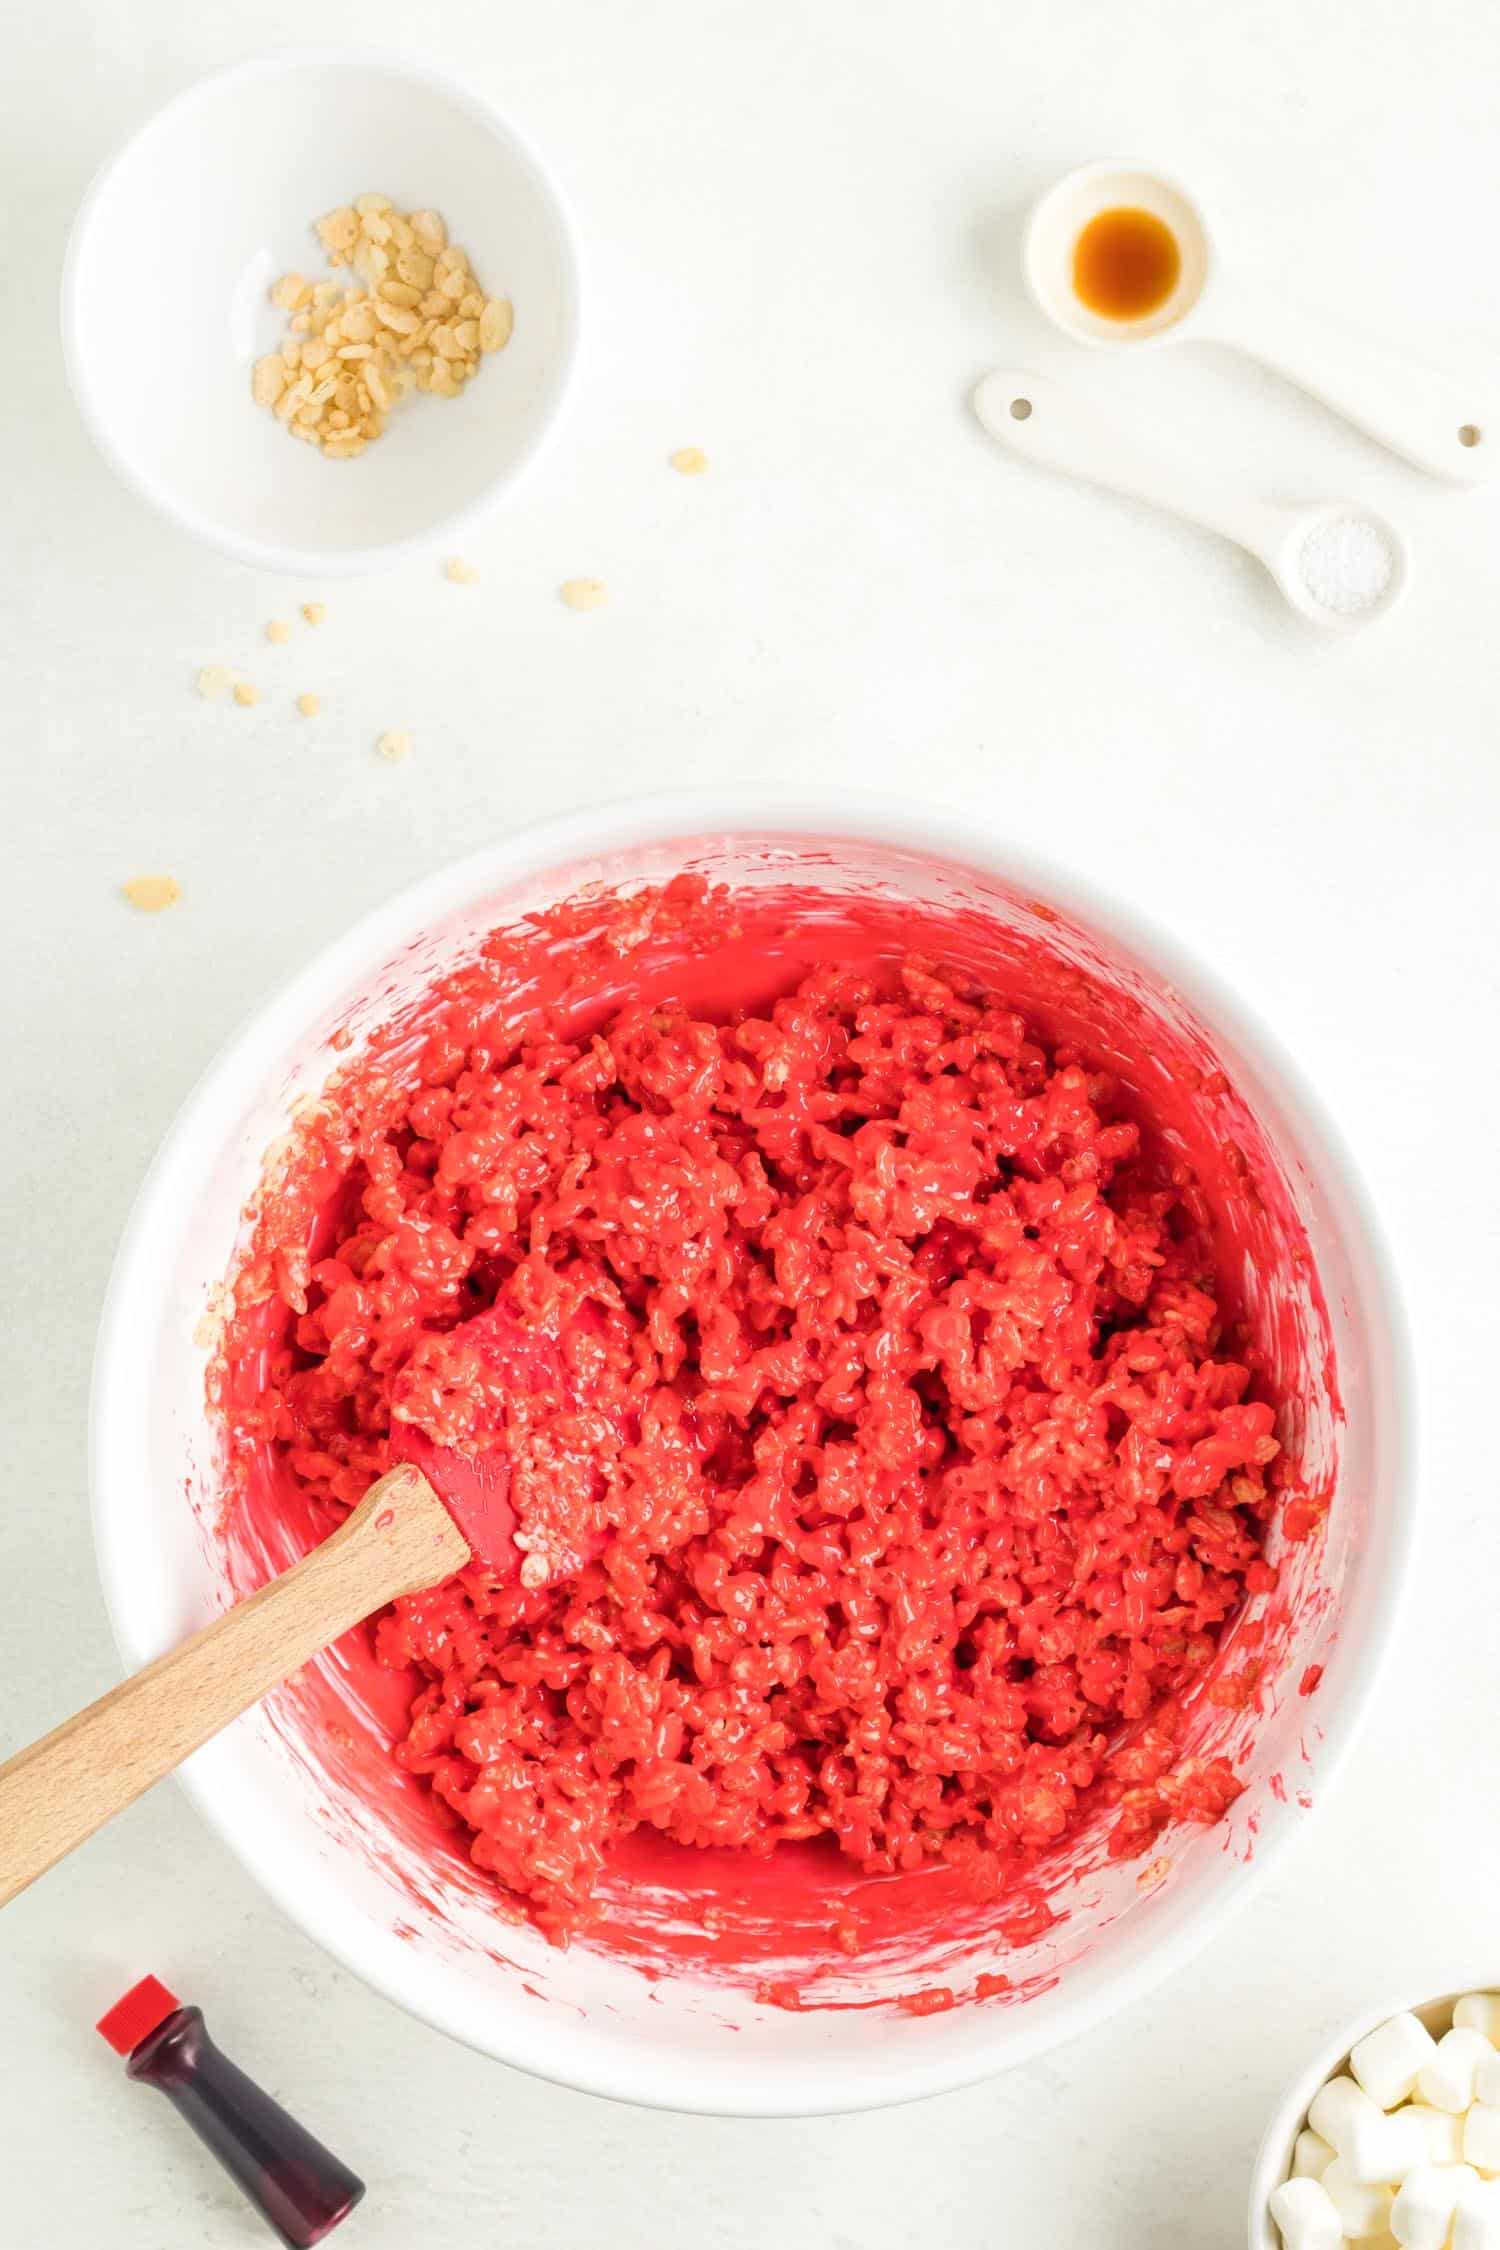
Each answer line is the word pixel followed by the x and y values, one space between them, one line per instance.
pixel 1391 2136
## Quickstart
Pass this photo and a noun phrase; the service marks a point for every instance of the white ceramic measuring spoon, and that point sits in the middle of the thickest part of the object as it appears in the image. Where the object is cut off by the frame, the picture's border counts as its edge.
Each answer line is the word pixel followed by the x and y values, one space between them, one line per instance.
pixel 1354 569
pixel 1415 410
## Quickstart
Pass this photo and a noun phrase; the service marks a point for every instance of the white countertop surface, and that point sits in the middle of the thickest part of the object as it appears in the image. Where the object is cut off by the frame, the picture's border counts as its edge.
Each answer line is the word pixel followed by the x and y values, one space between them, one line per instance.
pixel 799 226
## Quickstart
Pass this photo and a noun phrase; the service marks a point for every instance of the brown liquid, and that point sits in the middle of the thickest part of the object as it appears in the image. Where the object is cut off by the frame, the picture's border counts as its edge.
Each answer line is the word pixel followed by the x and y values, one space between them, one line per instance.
pixel 1126 264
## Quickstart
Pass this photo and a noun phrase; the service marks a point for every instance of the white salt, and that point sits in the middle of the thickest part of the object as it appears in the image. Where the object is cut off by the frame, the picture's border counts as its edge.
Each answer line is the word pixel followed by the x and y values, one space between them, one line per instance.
pixel 1345 563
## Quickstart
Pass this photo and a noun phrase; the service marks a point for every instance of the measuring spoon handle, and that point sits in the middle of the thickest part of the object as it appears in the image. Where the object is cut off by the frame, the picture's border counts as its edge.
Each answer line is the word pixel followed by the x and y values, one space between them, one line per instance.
pixel 1444 427
pixel 1064 430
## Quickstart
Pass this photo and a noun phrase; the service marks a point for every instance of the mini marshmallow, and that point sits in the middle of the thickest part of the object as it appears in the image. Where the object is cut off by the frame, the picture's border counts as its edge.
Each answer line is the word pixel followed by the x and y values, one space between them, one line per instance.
pixel 1312 2155
pixel 1482 2137
pixel 1445 2132
pixel 1378 2150
pixel 1447 2080
pixel 1426 2202
pixel 1418 2135
pixel 1479 2011
pixel 1487 2081
pixel 1336 2108
pixel 1306 2216
pixel 1362 2209
pixel 1386 2063
pixel 1476 2222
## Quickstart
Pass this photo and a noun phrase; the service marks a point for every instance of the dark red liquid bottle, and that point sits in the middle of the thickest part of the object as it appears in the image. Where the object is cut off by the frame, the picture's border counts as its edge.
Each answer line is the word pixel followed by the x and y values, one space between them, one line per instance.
pixel 296 2184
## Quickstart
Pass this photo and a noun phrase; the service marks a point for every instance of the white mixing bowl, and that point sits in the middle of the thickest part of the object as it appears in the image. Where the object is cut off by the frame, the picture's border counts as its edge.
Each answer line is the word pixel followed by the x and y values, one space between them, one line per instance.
pixel 278 1787
pixel 165 308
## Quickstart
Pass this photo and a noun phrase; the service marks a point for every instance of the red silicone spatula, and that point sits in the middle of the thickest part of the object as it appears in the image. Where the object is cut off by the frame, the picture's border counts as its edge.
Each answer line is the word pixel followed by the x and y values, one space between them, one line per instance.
pixel 436 1510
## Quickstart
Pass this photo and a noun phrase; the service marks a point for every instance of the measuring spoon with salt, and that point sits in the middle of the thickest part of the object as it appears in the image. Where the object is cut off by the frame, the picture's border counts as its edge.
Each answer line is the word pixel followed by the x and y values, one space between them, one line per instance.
pixel 1403 404
pixel 1338 564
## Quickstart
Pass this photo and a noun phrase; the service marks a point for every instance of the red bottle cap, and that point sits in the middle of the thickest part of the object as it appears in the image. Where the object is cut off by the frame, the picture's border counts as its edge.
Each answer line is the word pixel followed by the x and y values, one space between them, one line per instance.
pixel 145 2006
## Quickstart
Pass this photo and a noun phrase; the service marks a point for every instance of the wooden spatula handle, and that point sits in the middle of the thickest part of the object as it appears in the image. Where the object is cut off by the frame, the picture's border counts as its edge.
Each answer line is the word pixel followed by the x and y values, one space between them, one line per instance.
pixel 53 1796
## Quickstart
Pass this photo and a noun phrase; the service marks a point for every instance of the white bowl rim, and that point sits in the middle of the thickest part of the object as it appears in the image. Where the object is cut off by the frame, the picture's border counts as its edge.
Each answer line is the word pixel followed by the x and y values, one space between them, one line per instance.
pixel 860 816
pixel 1274 2154
pixel 269 554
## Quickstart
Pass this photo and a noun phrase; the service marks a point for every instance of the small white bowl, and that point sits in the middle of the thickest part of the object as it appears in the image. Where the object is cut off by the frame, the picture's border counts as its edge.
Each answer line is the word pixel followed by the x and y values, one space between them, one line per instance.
pixel 1274 2160
pixel 164 304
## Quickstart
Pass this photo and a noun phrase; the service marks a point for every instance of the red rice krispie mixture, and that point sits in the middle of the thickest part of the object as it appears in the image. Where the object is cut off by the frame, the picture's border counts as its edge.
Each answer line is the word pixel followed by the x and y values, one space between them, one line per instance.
pixel 930 1485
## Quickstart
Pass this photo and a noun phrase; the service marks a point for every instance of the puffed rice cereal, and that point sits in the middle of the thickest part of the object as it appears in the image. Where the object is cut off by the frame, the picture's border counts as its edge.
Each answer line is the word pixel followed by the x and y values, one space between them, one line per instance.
pixel 415 319
pixel 150 893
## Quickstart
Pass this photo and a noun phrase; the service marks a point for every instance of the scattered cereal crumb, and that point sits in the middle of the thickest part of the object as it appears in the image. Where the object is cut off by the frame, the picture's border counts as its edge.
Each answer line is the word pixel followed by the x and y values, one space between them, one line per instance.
pixel 689 460
pixel 215 680
pixel 584 593
pixel 246 693
pixel 314 612
pixel 462 573
pixel 394 744
pixel 152 892
pixel 309 706
pixel 278 630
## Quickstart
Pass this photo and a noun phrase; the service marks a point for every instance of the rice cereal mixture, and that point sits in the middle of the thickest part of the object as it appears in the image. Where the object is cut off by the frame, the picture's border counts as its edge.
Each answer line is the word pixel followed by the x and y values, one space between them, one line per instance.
pixel 929 1488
